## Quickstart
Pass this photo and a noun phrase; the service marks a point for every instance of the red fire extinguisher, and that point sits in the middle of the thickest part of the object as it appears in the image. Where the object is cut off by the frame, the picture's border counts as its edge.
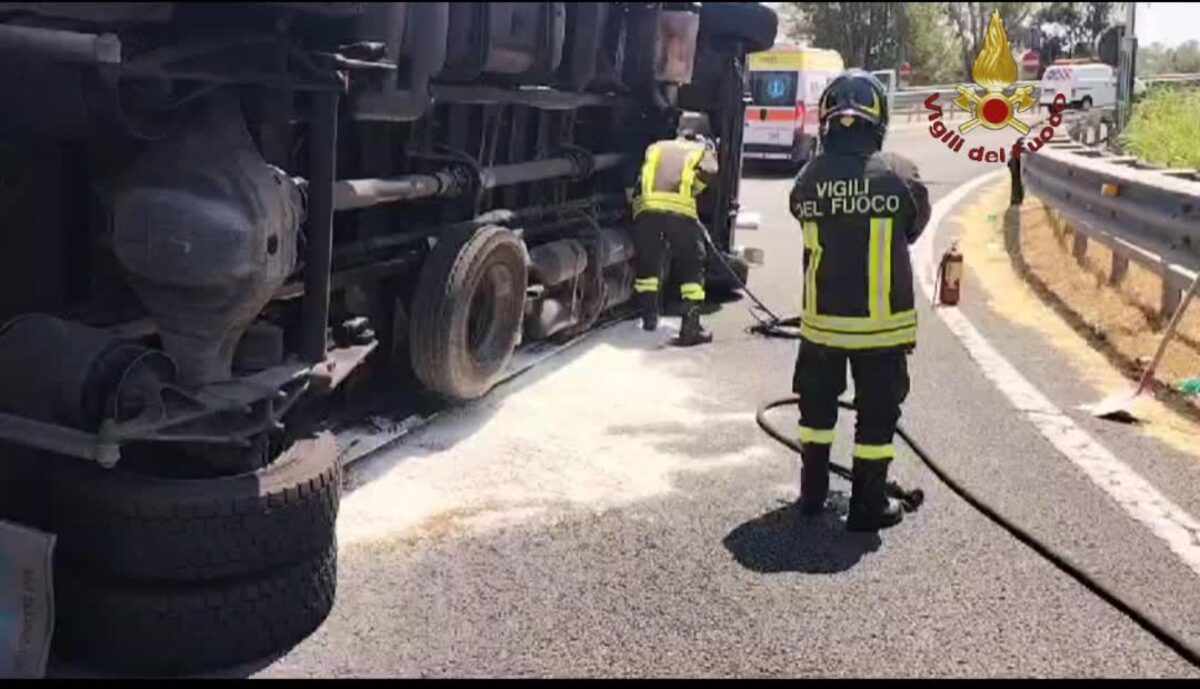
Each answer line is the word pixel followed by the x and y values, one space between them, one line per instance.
pixel 950 271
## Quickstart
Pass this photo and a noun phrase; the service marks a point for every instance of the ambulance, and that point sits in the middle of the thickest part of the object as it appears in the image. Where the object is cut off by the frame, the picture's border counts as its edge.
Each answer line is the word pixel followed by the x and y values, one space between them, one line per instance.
pixel 781 119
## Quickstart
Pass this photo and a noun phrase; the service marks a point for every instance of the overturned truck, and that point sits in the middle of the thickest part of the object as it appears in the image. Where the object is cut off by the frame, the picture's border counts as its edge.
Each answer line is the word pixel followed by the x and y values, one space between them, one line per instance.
pixel 223 219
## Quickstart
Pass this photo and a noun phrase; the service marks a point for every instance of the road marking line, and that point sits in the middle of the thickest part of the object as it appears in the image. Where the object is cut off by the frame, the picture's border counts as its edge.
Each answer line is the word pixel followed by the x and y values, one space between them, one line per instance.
pixel 1141 500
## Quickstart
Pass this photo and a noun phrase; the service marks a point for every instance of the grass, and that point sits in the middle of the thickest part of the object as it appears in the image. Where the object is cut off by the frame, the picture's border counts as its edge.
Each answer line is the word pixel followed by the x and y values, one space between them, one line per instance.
pixel 1165 128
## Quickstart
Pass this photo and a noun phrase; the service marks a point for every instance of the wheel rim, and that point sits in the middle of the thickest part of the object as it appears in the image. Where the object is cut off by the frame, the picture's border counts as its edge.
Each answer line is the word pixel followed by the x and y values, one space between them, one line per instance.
pixel 486 340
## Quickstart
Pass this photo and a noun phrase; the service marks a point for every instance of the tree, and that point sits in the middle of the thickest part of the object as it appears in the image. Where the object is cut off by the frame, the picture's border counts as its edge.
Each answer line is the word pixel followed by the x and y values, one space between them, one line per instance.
pixel 866 34
pixel 930 46
pixel 1073 27
pixel 1153 59
pixel 1186 57
pixel 1158 59
pixel 970 22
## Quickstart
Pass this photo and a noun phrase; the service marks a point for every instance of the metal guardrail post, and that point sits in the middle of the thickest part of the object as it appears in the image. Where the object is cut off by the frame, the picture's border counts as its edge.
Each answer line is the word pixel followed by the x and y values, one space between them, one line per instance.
pixel 1119 268
pixel 1079 247
pixel 1171 296
pixel 1145 215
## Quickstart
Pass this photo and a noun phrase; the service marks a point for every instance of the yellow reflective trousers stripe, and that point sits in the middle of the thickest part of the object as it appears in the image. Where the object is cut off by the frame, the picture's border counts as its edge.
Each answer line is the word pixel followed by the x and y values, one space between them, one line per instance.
pixel 692 291
pixel 645 285
pixel 887 451
pixel 816 436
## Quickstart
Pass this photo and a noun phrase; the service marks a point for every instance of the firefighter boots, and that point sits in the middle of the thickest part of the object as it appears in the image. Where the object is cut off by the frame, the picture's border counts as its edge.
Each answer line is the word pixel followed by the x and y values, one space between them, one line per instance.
pixel 870 508
pixel 691 333
pixel 814 477
pixel 648 305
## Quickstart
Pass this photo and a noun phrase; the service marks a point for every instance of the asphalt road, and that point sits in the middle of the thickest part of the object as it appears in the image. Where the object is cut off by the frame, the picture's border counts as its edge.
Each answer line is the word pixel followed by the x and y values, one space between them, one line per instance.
pixel 618 513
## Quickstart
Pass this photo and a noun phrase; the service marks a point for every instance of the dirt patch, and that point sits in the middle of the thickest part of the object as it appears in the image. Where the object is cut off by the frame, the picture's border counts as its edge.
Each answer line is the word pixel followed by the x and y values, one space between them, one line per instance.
pixel 1031 278
pixel 1124 317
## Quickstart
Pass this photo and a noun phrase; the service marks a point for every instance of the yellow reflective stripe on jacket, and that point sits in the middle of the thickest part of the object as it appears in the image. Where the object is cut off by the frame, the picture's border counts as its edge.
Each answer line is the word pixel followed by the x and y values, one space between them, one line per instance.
pixel 650 168
pixel 689 174
pixel 645 285
pixel 682 202
pixel 874 451
pixel 817 436
pixel 881 328
pixel 850 324
pixel 665 202
pixel 812 242
pixel 692 291
pixel 839 340
pixel 879 268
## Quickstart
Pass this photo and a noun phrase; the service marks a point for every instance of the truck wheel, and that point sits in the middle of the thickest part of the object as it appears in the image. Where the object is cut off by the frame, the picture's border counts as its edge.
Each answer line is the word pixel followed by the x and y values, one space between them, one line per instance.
pixel 750 23
pixel 467 311
pixel 178 629
pixel 112 523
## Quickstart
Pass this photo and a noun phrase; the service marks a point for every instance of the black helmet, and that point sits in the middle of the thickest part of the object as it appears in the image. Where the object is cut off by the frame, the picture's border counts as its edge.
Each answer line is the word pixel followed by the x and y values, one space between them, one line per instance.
pixel 855 93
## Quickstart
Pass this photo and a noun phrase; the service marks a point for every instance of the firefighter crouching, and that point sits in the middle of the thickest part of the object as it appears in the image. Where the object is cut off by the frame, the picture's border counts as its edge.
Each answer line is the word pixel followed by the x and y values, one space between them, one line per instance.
pixel 859 209
pixel 674 173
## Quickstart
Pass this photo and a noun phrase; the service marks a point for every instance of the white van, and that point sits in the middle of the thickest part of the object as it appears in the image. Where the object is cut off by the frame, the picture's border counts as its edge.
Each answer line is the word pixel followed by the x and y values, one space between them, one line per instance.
pixel 1091 85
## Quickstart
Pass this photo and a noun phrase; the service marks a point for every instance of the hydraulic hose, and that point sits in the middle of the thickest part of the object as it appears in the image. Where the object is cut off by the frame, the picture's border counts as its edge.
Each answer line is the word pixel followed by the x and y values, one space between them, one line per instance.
pixel 909 499
pixel 1144 619
pixel 779 327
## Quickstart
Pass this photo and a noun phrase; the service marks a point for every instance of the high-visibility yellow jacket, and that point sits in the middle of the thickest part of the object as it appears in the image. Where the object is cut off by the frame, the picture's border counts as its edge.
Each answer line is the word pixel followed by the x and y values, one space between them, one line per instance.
pixel 676 171
pixel 859 212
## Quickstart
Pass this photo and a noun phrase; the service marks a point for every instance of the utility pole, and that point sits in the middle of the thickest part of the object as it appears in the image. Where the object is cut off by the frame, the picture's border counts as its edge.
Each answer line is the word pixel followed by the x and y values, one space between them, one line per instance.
pixel 1127 67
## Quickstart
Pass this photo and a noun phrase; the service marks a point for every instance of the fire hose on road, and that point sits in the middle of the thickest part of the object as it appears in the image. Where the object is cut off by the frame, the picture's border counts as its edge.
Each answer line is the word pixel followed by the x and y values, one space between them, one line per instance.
pixel 775 326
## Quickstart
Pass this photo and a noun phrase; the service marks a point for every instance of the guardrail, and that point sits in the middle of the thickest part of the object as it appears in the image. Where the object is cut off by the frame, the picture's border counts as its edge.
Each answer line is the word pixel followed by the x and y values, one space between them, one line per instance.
pixel 1142 213
pixel 911 101
pixel 1091 127
pixel 1186 78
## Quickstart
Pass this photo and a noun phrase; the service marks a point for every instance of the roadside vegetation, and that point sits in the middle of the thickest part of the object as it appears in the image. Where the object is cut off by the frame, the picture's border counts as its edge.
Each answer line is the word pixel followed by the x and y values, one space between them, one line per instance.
pixel 1165 128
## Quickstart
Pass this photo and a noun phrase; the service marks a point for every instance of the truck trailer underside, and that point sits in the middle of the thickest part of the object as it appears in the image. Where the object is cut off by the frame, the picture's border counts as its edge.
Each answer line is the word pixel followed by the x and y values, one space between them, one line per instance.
pixel 224 220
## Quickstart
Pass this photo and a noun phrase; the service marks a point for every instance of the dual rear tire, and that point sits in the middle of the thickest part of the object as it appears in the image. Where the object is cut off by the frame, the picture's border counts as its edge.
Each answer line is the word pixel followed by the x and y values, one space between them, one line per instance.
pixel 165 576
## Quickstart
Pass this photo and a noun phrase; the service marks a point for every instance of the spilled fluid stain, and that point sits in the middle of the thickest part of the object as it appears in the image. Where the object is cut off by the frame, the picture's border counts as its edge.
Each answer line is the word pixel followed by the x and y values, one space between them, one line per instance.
pixel 608 427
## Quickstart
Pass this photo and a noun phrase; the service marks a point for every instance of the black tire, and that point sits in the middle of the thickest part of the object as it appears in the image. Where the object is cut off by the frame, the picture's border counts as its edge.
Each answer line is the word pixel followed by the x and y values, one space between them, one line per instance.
pixel 112 523
pixel 190 628
pixel 751 24
pixel 467 311
pixel 24 496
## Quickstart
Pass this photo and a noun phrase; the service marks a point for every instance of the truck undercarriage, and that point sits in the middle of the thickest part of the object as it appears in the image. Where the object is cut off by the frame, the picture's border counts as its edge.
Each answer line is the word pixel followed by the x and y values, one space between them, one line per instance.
pixel 224 219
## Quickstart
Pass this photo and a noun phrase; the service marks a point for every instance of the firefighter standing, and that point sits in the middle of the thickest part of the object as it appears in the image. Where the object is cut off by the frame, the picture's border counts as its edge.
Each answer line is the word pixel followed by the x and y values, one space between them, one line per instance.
pixel 674 173
pixel 1017 188
pixel 859 210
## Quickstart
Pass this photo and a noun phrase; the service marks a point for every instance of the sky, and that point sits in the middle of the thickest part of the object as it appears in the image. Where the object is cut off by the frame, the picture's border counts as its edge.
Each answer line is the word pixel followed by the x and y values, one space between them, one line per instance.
pixel 1169 23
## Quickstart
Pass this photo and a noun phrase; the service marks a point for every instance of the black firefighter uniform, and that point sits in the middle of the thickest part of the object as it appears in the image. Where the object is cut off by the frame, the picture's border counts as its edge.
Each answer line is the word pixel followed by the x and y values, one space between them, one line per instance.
pixel 859 213
pixel 674 173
